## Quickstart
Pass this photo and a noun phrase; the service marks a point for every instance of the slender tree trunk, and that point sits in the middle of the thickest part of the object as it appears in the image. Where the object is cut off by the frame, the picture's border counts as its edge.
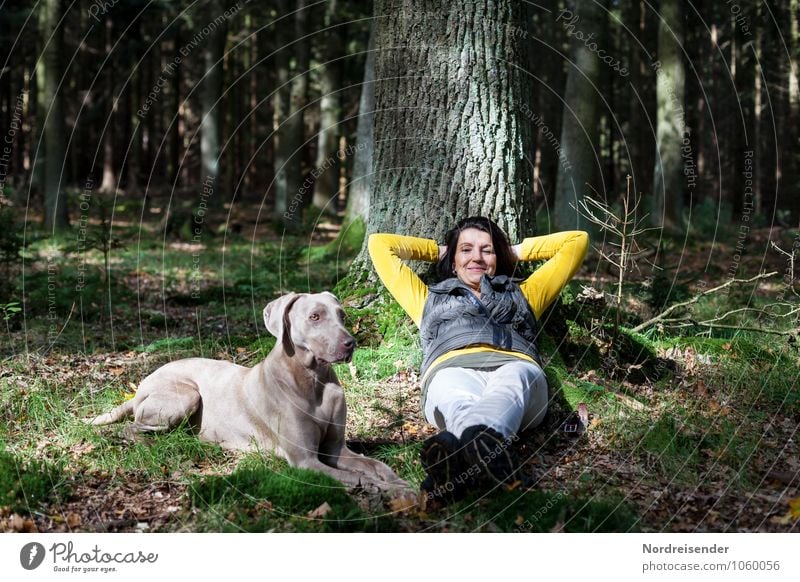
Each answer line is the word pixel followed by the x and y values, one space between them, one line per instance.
pixel 135 155
pixel 579 129
pixel 297 195
pixel 770 57
pixel 175 150
pixel 745 136
pixel 449 78
pixel 50 74
pixel 326 186
pixel 109 181
pixel 362 179
pixel 281 112
pixel 547 124
pixel 211 105
pixel 668 180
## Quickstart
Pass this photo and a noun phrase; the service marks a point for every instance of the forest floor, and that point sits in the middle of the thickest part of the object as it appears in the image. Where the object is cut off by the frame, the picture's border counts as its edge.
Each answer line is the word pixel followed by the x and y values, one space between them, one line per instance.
pixel 688 430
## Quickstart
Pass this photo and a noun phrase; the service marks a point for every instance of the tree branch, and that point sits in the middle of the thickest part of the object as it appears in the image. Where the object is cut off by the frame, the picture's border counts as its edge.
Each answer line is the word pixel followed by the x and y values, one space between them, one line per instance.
pixel 661 316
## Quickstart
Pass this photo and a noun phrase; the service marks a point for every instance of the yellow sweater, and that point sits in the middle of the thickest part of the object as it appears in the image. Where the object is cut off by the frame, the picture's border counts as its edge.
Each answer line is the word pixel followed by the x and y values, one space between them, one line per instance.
pixel 563 251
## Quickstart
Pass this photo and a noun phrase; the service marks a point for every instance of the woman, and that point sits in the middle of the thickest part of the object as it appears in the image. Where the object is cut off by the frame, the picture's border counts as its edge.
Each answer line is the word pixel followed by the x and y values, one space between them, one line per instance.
pixel 482 380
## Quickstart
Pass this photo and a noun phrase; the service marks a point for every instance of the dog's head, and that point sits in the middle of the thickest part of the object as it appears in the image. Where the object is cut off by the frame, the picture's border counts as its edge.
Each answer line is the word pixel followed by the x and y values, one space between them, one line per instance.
pixel 311 322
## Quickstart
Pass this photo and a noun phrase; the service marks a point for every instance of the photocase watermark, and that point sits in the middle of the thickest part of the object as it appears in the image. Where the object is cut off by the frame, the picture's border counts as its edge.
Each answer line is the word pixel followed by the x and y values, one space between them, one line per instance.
pixel 297 200
pixel 66 559
pixel 548 134
pixel 687 155
pixel 84 204
pixel 747 209
pixel 569 22
pixel 10 138
pixel 52 304
pixel 101 7
pixel 738 15
pixel 197 235
pixel 31 555
pixel 528 524
pixel 183 52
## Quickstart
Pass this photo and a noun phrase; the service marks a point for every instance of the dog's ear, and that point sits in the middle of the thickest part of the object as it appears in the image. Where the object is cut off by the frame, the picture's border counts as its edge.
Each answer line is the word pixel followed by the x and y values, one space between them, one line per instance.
pixel 276 318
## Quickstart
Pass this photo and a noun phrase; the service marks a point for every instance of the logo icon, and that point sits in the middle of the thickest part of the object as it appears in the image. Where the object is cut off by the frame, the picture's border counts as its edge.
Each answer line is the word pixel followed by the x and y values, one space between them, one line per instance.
pixel 31 556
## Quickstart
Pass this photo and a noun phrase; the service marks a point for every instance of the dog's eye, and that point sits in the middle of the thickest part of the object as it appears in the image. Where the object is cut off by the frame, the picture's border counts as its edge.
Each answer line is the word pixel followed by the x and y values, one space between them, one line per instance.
pixel 314 317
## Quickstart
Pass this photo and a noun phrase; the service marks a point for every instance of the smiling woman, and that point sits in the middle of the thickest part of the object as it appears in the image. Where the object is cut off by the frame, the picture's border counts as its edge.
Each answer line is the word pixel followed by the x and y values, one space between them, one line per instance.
pixel 482 380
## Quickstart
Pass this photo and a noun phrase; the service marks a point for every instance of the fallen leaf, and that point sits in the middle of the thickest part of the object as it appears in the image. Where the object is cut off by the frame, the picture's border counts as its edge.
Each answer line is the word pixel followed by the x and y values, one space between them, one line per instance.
pixel 794 507
pixel 403 503
pixel 73 520
pixel 320 511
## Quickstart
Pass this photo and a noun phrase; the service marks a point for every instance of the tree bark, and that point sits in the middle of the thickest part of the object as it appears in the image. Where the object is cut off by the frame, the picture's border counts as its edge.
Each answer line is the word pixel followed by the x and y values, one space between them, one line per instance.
pixel 743 198
pixel 50 73
pixel 669 182
pixel 579 130
pixel 296 195
pixel 211 104
pixel 362 179
pixel 109 180
pixel 451 138
pixel 281 111
pixel 326 185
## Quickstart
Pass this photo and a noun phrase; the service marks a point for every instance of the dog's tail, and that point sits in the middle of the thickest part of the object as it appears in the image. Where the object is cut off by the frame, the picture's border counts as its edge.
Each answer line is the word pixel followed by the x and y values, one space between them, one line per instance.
pixel 120 412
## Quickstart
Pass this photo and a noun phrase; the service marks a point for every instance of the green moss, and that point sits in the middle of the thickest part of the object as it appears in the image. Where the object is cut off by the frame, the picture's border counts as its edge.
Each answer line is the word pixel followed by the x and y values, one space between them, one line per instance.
pixel 26 486
pixel 256 497
pixel 542 511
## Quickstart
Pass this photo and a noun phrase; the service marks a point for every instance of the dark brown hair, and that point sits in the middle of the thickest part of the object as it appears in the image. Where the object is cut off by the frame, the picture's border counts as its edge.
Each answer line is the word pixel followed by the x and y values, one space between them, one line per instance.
pixel 506 261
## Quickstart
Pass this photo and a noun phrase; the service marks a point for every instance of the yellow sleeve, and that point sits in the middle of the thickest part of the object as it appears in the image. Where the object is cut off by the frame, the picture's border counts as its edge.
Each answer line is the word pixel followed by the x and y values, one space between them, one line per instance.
pixel 388 251
pixel 564 252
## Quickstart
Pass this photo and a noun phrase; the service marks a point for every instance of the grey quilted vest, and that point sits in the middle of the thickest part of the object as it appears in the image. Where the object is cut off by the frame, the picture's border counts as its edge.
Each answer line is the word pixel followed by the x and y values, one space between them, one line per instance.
pixel 453 318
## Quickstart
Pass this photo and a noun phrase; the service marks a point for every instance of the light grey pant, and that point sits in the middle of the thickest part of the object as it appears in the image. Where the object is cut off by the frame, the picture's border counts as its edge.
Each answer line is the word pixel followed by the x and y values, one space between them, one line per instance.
pixel 509 398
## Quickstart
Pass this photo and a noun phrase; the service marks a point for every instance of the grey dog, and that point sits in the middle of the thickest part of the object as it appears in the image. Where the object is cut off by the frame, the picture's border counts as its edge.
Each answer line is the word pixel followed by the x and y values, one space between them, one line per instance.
pixel 291 403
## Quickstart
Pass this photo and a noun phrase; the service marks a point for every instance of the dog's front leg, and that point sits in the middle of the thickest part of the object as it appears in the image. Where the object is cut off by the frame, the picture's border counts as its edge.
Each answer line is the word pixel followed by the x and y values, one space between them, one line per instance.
pixel 352 461
pixel 349 478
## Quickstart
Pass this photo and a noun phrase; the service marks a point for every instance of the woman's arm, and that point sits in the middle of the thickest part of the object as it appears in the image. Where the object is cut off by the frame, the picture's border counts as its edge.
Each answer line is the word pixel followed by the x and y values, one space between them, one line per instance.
pixel 388 251
pixel 564 252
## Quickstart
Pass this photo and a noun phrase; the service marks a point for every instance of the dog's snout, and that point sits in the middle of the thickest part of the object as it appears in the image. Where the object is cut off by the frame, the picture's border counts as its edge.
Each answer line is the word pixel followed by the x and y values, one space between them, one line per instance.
pixel 349 343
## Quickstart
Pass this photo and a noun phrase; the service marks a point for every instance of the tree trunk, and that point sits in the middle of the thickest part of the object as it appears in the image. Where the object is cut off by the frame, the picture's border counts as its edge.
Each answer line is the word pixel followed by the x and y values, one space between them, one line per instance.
pixel 175 126
pixel 362 179
pixel 211 105
pixel 743 198
pixel 281 111
pixel 452 138
pixel 668 179
pixel 50 72
pixel 579 130
pixel 326 185
pixel 770 56
pixel 109 181
pixel 297 195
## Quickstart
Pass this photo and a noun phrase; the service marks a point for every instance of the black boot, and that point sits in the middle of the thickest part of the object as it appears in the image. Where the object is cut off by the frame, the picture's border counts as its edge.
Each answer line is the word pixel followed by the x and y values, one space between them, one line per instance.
pixel 489 454
pixel 442 462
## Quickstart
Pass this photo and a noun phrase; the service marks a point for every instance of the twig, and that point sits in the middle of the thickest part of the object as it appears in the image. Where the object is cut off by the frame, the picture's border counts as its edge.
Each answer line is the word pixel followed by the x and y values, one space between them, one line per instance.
pixel 691 322
pixel 661 316
pixel 791 266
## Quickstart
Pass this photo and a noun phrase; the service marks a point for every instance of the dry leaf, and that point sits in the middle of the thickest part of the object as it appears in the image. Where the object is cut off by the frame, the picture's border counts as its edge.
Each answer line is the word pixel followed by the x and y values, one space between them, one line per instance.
pixel 320 511
pixel 794 507
pixel 73 520
pixel 403 503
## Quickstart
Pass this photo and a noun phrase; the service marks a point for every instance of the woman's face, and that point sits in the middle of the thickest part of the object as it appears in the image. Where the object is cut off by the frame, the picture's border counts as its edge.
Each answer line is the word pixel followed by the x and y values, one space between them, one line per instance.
pixel 474 257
